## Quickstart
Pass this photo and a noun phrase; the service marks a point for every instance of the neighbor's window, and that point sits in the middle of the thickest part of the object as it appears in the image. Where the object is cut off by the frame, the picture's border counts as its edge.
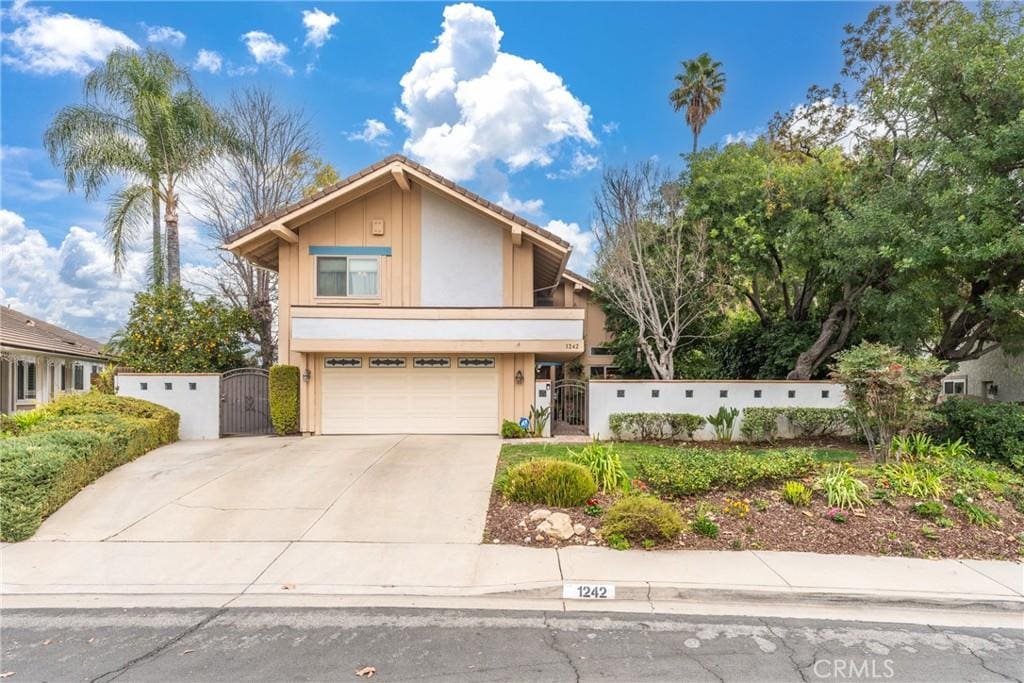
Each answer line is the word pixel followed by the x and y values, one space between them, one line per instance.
pixel 600 351
pixel 954 386
pixel 347 276
pixel 79 377
pixel 26 379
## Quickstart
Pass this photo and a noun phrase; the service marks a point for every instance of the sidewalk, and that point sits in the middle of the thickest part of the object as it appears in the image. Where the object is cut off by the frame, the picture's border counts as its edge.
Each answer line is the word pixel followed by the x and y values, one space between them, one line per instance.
pixel 65 574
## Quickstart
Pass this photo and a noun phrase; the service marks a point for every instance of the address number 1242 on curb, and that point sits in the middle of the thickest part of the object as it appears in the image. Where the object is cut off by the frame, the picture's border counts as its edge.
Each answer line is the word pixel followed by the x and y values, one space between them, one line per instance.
pixel 588 591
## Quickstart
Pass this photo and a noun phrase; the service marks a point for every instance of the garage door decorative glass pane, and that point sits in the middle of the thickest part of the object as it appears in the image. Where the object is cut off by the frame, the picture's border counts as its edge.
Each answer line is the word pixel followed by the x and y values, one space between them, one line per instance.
pixel 387 362
pixel 476 362
pixel 438 362
pixel 354 362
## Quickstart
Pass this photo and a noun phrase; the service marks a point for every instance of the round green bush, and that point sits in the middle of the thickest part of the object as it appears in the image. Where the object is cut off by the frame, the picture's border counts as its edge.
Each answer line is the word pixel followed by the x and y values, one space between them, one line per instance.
pixel 548 482
pixel 640 518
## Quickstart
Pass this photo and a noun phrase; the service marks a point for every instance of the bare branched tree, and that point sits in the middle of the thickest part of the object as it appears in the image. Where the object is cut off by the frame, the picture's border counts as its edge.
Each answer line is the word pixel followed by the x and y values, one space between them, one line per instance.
pixel 652 265
pixel 270 168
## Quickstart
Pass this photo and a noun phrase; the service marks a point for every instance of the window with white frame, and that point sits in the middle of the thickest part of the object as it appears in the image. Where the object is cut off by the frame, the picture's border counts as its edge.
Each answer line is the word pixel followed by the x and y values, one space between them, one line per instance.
pixel 953 387
pixel 349 276
pixel 79 377
pixel 26 388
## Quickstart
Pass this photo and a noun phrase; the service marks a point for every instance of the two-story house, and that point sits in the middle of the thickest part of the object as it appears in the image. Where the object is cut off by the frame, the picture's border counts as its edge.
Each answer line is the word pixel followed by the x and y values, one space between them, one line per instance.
pixel 411 304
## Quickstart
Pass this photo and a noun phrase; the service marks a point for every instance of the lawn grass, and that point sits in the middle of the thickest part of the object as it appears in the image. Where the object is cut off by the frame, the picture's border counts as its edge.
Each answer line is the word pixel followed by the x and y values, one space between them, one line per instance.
pixel 629 452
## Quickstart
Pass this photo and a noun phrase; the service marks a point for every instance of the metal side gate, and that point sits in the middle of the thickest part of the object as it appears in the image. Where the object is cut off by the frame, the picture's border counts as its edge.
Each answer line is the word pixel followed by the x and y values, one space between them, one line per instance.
pixel 245 402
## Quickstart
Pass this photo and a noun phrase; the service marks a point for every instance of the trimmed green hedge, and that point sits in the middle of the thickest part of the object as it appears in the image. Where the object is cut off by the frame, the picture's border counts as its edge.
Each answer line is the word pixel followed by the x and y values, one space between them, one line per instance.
pixel 284 399
pixel 76 439
pixel 994 430
pixel 648 426
pixel 689 471
pixel 761 424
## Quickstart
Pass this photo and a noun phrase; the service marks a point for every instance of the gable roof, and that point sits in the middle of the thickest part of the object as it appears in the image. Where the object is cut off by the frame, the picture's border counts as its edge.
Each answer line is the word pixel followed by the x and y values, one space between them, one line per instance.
pixel 283 213
pixel 22 331
pixel 578 279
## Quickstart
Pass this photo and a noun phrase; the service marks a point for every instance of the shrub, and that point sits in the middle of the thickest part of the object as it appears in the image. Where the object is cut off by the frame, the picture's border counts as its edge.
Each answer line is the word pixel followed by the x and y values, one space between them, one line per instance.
pixel 843 490
pixel 77 439
pixel 104 381
pixel 811 422
pixel 994 430
pixel 975 514
pixel 703 524
pixel 618 542
pixel 723 422
pixel 284 399
pixel 796 494
pixel 637 518
pixel 17 423
pixel 689 471
pixel 888 391
pixel 604 465
pixel 913 479
pixel 649 426
pixel 512 430
pixel 760 424
pixel 929 509
pixel 548 482
pixel 912 446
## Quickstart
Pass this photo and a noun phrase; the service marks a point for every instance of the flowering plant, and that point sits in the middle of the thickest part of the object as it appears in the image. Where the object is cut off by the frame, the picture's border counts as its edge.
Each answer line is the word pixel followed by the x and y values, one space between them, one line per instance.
pixel 836 515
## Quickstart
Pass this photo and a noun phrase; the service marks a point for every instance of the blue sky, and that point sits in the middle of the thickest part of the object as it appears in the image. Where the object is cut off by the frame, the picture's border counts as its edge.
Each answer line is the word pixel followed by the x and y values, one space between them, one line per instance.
pixel 571 88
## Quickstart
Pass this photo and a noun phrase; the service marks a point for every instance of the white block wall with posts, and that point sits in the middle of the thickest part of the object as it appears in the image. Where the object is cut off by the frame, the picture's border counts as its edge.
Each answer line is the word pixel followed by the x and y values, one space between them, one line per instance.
pixel 194 396
pixel 542 399
pixel 703 397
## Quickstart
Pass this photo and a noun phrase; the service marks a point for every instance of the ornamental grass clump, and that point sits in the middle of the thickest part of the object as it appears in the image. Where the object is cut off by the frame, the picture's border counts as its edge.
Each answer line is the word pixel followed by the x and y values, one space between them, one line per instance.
pixel 604 465
pixel 843 490
pixel 796 494
pixel 641 518
pixel 548 482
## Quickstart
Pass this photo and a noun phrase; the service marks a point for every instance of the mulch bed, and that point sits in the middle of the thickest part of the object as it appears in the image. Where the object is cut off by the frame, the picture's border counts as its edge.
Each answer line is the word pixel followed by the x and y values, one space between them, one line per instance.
pixel 887 528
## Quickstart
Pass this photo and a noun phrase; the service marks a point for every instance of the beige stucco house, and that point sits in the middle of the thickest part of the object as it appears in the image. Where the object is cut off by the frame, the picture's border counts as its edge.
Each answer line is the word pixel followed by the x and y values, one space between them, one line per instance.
pixel 40 361
pixel 411 304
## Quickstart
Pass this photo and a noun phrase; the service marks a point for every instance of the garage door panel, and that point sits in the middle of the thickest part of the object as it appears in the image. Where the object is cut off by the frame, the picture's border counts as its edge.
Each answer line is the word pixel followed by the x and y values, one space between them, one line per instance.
pixel 409 400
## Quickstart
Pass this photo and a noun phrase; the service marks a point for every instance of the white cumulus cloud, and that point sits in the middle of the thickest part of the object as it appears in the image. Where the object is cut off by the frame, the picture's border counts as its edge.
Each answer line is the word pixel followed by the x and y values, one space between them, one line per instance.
pixel 318 26
pixel 265 49
pixel 580 163
pixel 373 131
pixel 164 34
pixel 583 244
pixel 468 106
pixel 49 43
pixel 208 60
pixel 745 136
pixel 530 207
pixel 71 284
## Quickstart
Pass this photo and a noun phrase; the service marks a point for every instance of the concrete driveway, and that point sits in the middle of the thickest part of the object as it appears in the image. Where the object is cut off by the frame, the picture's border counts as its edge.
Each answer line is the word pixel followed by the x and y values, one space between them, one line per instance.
pixel 385 489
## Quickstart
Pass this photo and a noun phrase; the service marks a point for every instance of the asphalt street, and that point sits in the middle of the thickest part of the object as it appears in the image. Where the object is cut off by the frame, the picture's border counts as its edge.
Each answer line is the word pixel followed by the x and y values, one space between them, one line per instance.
pixel 311 644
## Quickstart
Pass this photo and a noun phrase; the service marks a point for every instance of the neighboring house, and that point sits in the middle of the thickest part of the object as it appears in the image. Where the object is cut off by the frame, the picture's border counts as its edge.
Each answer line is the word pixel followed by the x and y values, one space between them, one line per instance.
pixel 996 376
pixel 411 304
pixel 597 361
pixel 40 361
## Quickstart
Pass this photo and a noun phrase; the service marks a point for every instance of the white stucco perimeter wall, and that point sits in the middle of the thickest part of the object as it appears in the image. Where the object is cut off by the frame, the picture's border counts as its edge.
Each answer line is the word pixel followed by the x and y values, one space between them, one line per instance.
pixel 461 256
pixel 542 399
pixel 604 399
pixel 195 397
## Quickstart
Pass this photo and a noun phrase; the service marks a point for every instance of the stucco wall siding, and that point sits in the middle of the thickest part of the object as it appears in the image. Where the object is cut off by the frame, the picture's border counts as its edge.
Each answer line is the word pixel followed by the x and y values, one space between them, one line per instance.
pixel 461 256
pixel 195 397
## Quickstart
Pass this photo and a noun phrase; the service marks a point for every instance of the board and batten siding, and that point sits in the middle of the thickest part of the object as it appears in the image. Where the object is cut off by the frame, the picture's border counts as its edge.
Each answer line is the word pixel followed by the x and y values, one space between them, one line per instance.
pixel 630 396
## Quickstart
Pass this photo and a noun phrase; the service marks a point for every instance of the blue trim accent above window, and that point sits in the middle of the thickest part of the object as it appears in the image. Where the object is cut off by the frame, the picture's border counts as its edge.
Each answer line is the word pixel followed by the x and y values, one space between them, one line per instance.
pixel 350 251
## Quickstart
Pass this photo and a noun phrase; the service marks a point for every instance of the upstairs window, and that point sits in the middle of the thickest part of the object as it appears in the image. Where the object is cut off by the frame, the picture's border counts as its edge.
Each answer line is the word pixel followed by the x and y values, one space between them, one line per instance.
pixel 347 276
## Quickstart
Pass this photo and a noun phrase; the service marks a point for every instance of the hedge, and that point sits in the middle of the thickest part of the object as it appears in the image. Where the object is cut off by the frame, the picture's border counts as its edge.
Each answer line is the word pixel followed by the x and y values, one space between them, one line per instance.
pixel 284 399
pixel 648 426
pixel 76 439
pixel 994 430
pixel 762 424
pixel 691 471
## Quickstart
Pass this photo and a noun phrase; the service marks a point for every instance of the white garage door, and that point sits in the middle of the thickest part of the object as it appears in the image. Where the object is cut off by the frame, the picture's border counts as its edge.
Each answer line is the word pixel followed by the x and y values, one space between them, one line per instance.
pixel 409 395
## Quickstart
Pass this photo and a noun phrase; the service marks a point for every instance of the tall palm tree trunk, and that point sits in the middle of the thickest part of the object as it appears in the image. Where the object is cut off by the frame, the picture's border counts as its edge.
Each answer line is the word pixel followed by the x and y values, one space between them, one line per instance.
pixel 173 246
pixel 696 133
pixel 158 252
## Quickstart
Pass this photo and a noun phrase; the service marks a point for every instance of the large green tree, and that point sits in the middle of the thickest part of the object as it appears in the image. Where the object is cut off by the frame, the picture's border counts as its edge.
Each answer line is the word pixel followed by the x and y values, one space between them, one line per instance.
pixel 701 85
pixel 143 122
pixel 170 330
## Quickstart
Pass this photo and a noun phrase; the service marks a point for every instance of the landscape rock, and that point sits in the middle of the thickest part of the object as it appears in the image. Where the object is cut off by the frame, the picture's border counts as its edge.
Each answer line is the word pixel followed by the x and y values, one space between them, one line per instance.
pixel 538 515
pixel 544 527
pixel 579 529
pixel 559 525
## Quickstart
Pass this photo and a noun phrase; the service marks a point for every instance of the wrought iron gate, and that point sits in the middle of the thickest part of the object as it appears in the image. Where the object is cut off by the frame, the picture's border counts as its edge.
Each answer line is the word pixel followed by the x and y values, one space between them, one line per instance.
pixel 569 407
pixel 245 402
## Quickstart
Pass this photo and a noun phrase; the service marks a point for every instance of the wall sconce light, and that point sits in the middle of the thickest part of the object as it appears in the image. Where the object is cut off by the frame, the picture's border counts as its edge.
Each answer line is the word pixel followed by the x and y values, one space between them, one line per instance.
pixel 306 375
pixel 519 376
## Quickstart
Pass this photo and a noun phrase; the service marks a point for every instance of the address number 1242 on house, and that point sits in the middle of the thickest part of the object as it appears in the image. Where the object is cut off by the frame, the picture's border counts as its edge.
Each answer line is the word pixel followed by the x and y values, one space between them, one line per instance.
pixel 588 591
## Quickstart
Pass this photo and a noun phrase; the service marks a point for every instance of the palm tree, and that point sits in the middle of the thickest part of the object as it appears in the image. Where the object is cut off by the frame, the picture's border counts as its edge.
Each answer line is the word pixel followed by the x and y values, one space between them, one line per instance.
pixel 142 121
pixel 700 90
